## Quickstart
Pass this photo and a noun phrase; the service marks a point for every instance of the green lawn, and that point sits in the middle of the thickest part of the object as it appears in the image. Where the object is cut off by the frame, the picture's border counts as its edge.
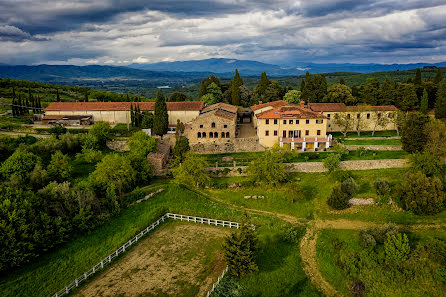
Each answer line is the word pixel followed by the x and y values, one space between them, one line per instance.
pixel 372 142
pixel 56 269
pixel 366 134
pixel 342 259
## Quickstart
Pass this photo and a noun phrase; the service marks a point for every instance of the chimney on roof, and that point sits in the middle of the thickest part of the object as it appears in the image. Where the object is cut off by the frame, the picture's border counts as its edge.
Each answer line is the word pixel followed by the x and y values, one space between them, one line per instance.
pixel 302 104
pixel 260 102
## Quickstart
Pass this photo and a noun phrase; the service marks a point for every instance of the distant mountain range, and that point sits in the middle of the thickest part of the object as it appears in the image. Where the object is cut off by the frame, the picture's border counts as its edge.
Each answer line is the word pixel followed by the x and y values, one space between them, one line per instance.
pixel 226 67
pixel 179 73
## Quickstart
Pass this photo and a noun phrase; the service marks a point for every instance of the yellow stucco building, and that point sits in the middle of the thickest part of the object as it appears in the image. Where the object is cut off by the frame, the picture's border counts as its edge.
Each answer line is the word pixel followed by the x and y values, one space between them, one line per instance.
pixel 294 124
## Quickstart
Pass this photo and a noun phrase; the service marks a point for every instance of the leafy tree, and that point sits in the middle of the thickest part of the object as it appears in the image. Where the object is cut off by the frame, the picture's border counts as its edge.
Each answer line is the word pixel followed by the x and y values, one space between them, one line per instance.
pixel 424 102
pixel 339 93
pixel 397 247
pixel 209 99
pixel 192 171
pixel 369 91
pixel 236 83
pixel 438 77
pixel 268 168
pixel 57 130
pixel 245 96
pixel 141 144
pixel 431 89
pixel 178 97
pixel 214 90
pixel 240 249
pixel 380 120
pixel 20 163
pixel 101 131
pixel 440 105
pixel 426 163
pixel 315 88
pixel 113 169
pixel 38 177
pixel 436 134
pixel 332 162
pixel 160 120
pixel 344 121
pixel 413 134
pixel 338 199
pixel 293 96
pixel 342 81
pixel 407 97
pixel 59 168
pixel 181 148
pixel 421 194
pixel 273 92
pixel 206 82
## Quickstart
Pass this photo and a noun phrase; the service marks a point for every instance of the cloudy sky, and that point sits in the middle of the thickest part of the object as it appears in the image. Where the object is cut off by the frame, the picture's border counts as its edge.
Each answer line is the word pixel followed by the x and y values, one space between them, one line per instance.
pixel 119 32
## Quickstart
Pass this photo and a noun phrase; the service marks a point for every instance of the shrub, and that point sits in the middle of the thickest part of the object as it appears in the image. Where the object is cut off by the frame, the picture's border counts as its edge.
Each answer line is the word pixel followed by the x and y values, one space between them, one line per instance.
pixel 57 130
pixel 293 234
pixel 332 162
pixel 357 288
pixel 338 199
pixel 379 234
pixel 426 163
pixel 341 175
pixel 102 131
pixel 350 187
pixel 20 164
pixel 142 144
pixel 59 168
pixel 361 151
pixel 421 194
pixel 312 155
pixel 294 192
pixel 382 187
pixel 367 239
pixel 397 247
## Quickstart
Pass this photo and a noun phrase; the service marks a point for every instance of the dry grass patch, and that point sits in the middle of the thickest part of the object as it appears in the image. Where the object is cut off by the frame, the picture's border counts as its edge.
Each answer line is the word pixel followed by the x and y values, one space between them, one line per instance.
pixel 178 259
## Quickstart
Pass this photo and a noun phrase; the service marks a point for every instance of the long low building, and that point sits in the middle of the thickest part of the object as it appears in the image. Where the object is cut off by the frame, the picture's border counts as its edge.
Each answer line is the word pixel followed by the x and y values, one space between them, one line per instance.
pixel 119 112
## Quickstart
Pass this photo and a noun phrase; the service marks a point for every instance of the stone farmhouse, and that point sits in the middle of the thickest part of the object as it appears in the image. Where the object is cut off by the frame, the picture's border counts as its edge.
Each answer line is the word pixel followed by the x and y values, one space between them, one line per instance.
pixel 285 123
pixel 119 112
pixel 378 118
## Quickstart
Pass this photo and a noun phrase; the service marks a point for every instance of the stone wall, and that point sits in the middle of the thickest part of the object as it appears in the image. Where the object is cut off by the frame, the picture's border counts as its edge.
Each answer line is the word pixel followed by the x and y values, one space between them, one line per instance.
pixel 228 146
pixel 319 166
pixel 118 145
pixel 375 147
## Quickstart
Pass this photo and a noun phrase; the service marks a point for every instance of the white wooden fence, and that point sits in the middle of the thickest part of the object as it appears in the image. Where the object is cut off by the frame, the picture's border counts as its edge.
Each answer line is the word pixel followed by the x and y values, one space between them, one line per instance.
pixel 67 289
pixel 217 282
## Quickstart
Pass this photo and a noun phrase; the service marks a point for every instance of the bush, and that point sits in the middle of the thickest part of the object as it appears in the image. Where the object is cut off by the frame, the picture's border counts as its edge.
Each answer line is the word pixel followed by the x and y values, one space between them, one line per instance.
pixel 426 163
pixel 361 151
pixel 332 162
pixel 379 234
pixel 367 239
pixel 382 187
pixel 350 187
pixel 293 234
pixel 421 194
pixel 102 131
pixel 341 175
pixel 57 130
pixel 397 247
pixel 338 199
pixel 358 288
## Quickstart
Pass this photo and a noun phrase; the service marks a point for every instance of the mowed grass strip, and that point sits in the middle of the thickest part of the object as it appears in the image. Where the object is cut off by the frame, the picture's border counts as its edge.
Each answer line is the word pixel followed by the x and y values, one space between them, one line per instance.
pixel 372 142
pixel 178 259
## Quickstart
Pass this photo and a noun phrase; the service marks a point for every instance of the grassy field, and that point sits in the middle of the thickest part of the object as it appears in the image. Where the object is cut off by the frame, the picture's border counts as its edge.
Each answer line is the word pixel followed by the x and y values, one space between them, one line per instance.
pixel 53 270
pixel 372 142
pixel 178 259
pixel 415 277
pixel 391 133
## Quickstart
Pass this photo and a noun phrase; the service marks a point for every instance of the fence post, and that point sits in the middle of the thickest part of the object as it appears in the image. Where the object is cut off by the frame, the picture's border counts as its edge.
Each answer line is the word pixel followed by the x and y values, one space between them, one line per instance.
pixel 102 264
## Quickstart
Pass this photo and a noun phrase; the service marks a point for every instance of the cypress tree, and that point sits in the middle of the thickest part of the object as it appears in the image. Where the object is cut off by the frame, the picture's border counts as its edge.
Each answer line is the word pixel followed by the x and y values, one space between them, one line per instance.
pixel 342 81
pixel 160 120
pixel 302 85
pixel 57 95
pixel 139 116
pixel 202 89
pixel 417 80
pixel 424 102
pixel 39 105
pixel 240 249
pixel 438 77
pixel 263 84
pixel 132 116
pixel 236 83
pixel 86 95
pixel 20 106
pixel 440 105
pixel 128 99
pixel 13 107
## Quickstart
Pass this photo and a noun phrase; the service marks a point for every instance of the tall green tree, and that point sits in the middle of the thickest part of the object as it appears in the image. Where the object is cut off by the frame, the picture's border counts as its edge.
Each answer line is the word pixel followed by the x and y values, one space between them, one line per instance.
pixel 240 249
pixel 413 133
pixel 407 97
pixel 236 83
pixel 192 171
pixel 369 91
pixel 178 97
pixel 57 95
pixel 440 105
pixel 86 95
pixel 339 93
pixel 161 118
pixel 438 77
pixel 388 93
pixel 263 83
pixel 417 80
pixel 315 88
pixel 424 102
pixel 132 115
pixel 342 81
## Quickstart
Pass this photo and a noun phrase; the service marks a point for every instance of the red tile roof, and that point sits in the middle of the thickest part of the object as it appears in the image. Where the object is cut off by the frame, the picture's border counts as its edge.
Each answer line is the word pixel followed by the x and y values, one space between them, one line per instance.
pixel 273 104
pixel 321 107
pixel 116 106
pixel 290 112
pixel 223 106
pixel 372 108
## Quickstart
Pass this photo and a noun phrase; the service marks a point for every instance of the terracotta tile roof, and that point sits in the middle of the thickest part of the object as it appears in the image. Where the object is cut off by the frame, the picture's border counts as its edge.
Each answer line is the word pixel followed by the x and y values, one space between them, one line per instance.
pixel 372 108
pixel 116 106
pixel 321 107
pixel 224 106
pixel 290 112
pixel 273 104
pixel 219 113
pixel 334 107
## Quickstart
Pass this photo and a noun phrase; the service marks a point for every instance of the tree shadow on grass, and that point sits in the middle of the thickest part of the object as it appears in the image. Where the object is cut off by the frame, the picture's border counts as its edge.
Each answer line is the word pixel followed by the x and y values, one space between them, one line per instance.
pixel 272 254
